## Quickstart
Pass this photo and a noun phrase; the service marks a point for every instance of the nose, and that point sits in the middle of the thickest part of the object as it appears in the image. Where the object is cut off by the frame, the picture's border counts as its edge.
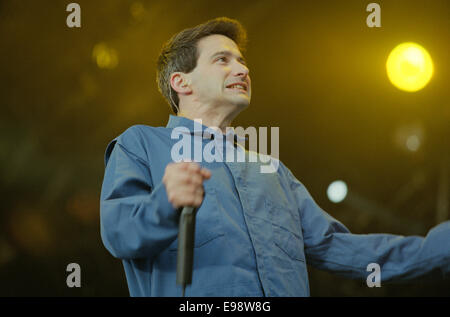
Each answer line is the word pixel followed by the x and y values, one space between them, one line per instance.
pixel 241 70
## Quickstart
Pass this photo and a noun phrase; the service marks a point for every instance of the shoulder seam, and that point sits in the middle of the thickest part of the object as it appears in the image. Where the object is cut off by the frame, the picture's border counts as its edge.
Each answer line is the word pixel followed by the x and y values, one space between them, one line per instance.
pixel 133 154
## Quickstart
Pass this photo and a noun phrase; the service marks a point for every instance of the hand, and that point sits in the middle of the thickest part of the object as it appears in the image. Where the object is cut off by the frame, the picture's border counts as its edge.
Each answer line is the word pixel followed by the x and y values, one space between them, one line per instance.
pixel 184 183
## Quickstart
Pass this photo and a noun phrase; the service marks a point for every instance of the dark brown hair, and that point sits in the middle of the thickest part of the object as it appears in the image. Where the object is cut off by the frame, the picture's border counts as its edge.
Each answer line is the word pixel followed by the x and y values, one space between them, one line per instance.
pixel 180 54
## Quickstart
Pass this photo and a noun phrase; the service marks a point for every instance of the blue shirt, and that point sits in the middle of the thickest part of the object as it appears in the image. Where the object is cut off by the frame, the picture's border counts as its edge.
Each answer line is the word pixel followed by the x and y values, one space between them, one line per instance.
pixel 255 232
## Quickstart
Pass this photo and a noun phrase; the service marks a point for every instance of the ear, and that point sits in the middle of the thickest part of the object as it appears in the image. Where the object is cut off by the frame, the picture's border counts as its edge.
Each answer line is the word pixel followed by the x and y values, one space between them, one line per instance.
pixel 180 83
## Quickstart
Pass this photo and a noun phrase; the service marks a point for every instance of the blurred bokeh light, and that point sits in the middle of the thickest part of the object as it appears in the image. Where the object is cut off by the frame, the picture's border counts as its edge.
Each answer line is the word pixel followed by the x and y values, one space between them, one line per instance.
pixel 104 56
pixel 337 191
pixel 409 67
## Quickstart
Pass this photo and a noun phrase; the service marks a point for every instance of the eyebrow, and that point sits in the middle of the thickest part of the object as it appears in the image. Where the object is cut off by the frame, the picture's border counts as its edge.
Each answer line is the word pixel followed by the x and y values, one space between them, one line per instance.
pixel 228 54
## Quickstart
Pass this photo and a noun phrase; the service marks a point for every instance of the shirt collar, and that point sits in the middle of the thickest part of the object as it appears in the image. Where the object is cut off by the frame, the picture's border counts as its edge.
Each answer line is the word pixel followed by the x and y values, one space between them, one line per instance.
pixel 194 129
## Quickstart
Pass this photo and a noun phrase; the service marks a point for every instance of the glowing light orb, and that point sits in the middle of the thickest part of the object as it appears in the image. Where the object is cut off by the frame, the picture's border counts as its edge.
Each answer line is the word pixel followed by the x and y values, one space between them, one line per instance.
pixel 409 67
pixel 105 56
pixel 337 191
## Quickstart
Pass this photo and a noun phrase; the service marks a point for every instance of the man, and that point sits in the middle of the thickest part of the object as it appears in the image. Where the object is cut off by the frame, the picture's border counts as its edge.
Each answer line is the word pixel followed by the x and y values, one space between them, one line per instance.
pixel 255 231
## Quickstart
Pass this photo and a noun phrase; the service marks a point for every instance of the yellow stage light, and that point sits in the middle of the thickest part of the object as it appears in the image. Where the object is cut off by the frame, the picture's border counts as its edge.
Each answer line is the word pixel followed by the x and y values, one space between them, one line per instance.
pixel 409 67
pixel 105 56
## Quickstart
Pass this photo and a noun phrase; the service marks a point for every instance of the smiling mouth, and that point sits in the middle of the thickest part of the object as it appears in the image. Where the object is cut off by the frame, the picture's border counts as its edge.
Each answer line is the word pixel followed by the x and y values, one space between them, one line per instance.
pixel 238 90
pixel 238 87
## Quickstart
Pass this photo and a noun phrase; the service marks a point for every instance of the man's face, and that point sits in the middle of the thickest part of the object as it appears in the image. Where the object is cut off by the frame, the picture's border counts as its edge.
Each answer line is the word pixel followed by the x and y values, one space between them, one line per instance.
pixel 220 68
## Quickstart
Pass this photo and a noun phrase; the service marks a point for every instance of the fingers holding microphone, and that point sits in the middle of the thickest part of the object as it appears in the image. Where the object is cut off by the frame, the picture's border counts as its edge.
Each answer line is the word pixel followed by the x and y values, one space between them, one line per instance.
pixel 184 183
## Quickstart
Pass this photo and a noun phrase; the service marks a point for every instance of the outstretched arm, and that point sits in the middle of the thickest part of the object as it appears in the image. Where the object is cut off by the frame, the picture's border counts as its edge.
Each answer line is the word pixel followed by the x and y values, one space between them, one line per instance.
pixel 330 246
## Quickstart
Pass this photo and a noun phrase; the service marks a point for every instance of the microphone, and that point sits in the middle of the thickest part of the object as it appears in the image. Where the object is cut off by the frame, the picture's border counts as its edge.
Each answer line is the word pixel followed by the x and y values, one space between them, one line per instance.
pixel 185 255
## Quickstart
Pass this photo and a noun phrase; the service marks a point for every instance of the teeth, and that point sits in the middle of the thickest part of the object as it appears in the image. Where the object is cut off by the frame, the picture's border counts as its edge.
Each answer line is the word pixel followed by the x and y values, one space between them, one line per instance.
pixel 237 86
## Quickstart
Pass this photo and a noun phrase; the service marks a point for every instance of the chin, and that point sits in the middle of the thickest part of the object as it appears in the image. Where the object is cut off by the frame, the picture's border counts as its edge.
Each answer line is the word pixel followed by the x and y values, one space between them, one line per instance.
pixel 244 105
pixel 241 102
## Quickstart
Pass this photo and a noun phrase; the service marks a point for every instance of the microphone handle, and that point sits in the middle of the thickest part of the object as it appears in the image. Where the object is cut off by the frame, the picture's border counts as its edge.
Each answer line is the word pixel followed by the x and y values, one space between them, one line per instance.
pixel 185 255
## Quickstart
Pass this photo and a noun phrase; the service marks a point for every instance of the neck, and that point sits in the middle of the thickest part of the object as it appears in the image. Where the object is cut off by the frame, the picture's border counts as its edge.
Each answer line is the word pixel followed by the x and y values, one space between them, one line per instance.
pixel 210 117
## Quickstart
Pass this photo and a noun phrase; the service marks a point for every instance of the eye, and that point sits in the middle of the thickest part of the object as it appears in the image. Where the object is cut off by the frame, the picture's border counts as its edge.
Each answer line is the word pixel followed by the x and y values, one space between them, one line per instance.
pixel 223 59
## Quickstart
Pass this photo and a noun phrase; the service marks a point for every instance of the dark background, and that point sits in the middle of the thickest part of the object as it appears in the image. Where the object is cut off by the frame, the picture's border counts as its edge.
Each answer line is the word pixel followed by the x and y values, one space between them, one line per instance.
pixel 318 72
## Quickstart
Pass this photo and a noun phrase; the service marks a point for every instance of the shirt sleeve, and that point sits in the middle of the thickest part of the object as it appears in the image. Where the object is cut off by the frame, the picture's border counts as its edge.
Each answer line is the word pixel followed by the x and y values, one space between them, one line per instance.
pixel 330 246
pixel 136 218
